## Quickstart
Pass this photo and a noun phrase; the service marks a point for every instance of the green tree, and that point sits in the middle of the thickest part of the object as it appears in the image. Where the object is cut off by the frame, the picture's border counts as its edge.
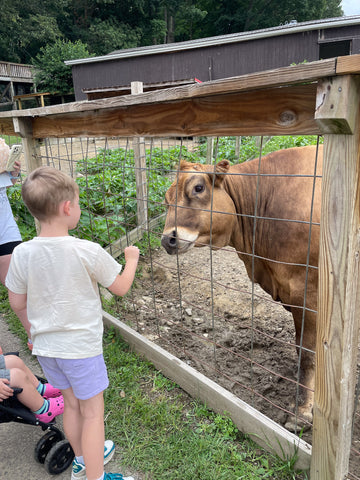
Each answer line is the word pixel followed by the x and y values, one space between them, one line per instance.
pixel 27 26
pixel 231 16
pixel 52 75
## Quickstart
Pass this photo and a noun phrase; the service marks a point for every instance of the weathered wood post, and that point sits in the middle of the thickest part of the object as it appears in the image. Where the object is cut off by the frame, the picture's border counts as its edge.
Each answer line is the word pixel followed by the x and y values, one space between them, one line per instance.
pixel 209 150
pixel 337 114
pixel 23 128
pixel 32 155
pixel 140 169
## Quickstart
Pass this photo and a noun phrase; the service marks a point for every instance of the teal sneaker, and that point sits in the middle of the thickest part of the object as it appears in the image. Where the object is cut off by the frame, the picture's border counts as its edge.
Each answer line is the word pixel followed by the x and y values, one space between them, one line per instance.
pixel 78 469
pixel 116 476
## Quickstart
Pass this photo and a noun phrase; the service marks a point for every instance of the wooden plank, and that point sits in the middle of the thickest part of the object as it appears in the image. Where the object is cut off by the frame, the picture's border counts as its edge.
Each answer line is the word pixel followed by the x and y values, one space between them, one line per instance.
pixel 6 125
pixel 96 93
pixel 348 64
pixel 278 111
pixel 261 429
pixel 339 305
pixel 336 104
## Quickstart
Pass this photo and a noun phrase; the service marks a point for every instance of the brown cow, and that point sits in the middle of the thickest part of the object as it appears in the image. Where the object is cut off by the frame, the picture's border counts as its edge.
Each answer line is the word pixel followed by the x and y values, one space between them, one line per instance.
pixel 216 205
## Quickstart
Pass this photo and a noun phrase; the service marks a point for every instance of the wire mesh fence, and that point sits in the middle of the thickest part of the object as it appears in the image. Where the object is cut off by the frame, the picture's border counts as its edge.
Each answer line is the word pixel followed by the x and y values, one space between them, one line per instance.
pixel 203 306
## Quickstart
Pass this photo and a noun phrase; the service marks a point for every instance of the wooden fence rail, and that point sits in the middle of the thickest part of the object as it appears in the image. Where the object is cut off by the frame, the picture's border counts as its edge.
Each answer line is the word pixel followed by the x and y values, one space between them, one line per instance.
pixel 315 98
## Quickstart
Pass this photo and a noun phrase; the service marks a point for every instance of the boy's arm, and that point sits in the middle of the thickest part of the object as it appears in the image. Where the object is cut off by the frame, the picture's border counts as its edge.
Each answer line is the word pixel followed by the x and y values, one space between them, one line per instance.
pixel 18 303
pixel 123 282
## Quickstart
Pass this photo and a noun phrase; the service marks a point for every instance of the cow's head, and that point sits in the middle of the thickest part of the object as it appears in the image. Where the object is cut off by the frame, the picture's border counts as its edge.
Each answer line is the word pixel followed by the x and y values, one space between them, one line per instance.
pixel 200 212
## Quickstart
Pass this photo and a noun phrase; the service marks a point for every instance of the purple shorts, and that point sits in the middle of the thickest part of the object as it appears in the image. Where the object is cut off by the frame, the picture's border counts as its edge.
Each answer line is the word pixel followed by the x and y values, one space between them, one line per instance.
pixel 86 376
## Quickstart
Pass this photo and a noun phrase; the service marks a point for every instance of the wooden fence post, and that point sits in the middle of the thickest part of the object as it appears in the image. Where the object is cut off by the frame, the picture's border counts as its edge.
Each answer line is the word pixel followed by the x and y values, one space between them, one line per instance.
pixel 209 150
pixel 23 128
pixel 140 169
pixel 337 112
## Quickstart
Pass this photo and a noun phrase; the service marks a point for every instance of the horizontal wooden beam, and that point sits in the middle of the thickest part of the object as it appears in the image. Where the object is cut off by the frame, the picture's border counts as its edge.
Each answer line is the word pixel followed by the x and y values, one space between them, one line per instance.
pixel 276 111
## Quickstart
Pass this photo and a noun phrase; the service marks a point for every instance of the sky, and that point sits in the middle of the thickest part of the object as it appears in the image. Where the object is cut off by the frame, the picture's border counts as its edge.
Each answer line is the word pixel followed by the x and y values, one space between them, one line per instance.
pixel 351 7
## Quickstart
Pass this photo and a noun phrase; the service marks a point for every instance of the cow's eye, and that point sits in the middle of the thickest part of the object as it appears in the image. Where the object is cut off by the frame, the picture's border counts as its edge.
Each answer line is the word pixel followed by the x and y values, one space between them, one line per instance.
pixel 199 188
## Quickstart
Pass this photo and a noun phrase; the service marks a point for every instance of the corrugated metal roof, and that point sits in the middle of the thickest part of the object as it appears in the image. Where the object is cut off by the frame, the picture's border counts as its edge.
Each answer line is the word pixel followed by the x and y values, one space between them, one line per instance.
pixel 292 27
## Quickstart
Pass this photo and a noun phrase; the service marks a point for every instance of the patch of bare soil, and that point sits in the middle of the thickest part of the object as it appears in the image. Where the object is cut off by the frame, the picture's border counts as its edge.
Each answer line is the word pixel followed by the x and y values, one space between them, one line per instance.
pixel 226 328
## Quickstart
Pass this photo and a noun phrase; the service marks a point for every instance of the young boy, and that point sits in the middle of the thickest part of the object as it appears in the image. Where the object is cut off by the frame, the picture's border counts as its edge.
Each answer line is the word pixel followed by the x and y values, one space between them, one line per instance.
pixel 43 400
pixel 56 276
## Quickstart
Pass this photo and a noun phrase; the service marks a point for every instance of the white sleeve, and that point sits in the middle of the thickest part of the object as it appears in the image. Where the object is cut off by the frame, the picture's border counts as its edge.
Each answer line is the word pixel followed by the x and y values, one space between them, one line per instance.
pixel 106 269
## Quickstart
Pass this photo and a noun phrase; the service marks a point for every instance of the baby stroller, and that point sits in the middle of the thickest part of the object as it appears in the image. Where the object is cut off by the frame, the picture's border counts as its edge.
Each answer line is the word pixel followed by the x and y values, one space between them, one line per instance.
pixel 52 450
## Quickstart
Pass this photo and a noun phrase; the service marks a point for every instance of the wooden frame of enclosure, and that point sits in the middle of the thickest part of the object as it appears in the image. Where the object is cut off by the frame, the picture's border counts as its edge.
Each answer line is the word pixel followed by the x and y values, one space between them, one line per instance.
pixel 317 98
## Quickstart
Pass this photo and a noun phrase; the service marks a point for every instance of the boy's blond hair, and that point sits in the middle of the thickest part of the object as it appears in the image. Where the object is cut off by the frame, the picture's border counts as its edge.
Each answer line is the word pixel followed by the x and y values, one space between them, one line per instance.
pixel 44 189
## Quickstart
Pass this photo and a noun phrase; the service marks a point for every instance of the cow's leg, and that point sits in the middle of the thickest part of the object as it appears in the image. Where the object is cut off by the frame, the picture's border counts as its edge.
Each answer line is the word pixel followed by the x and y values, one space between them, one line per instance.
pixel 305 341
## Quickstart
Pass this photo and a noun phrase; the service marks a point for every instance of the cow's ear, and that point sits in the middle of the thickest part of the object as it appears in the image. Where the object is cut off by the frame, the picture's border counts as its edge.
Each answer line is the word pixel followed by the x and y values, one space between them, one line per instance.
pixel 221 169
pixel 182 164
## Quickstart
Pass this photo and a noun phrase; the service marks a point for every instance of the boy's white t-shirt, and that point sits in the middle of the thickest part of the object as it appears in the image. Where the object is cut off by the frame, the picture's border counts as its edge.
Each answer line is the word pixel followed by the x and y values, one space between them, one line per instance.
pixel 60 276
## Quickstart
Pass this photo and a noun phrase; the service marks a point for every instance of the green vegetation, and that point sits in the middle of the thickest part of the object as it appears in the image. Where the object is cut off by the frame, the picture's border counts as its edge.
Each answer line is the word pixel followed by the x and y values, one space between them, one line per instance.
pixel 163 433
pixel 108 188
pixel 51 73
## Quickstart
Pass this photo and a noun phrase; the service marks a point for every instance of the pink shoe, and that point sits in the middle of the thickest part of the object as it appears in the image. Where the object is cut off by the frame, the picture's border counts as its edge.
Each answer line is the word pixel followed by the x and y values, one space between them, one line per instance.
pixel 56 408
pixel 51 392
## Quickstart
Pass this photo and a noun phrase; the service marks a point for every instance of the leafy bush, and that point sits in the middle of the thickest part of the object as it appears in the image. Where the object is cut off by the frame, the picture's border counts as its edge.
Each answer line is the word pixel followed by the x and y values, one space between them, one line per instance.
pixel 224 147
pixel 108 190
pixel 51 73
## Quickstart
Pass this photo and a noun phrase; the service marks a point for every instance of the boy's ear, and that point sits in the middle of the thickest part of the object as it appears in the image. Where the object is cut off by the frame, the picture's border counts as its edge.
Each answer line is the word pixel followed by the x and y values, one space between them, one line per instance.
pixel 65 207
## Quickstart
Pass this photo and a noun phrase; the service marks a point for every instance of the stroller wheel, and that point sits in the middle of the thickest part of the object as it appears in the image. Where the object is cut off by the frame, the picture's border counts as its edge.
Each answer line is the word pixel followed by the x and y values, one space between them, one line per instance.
pixel 45 444
pixel 59 458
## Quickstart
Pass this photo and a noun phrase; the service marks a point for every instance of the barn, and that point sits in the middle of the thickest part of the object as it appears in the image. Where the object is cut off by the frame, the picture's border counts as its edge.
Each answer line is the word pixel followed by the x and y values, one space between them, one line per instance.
pixel 215 58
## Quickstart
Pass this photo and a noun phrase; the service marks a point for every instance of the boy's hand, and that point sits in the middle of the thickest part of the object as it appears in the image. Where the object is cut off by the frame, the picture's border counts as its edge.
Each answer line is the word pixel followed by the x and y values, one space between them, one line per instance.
pixel 5 391
pixel 131 253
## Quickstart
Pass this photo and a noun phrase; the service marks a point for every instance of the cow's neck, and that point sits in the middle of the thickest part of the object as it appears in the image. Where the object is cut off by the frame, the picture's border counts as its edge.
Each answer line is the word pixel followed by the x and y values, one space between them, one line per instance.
pixel 242 190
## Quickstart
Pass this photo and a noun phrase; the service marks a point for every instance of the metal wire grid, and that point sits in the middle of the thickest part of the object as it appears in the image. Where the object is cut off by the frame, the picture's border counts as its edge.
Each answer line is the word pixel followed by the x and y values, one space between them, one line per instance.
pixel 149 313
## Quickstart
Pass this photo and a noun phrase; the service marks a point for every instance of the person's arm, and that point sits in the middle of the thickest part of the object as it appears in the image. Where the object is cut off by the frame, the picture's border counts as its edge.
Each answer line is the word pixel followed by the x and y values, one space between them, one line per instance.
pixel 123 282
pixel 18 302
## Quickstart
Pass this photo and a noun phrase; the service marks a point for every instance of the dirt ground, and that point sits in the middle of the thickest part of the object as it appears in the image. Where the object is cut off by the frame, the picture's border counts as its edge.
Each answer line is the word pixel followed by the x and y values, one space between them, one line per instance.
pixel 247 347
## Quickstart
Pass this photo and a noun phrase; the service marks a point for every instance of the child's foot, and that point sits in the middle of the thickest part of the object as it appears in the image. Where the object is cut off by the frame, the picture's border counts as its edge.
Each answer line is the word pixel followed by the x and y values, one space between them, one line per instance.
pixel 56 407
pixel 116 476
pixel 50 391
pixel 79 471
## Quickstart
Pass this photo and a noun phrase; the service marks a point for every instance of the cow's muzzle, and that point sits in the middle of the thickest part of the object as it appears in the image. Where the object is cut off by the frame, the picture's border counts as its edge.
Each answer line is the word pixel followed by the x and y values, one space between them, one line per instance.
pixel 170 242
pixel 178 240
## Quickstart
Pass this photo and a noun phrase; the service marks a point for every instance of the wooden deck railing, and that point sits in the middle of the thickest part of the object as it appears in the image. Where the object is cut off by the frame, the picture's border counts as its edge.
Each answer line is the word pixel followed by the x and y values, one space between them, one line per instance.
pixel 16 71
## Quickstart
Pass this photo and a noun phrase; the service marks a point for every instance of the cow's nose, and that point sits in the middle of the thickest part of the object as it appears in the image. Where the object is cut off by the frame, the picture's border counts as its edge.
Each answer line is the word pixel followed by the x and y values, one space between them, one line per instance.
pixel 173 239
pixel 169 242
